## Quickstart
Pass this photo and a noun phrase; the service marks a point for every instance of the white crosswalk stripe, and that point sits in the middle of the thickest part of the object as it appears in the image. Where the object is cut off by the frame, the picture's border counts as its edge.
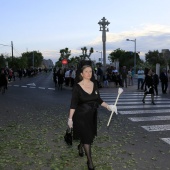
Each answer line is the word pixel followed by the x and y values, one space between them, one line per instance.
pixel 131 104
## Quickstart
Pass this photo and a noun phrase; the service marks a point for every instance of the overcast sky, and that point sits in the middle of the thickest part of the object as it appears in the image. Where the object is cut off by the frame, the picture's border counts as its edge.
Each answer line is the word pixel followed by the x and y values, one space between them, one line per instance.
pixel 48 26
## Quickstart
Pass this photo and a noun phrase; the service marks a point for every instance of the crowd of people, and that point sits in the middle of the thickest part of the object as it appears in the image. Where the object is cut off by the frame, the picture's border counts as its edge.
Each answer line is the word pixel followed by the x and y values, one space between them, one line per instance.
pixel 8 74
pixel 66 76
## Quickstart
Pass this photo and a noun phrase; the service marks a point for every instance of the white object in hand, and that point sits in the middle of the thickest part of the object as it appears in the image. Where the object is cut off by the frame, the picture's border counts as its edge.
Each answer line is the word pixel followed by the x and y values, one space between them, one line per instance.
pixel 120 91
pixel 70 123
pixel 112 108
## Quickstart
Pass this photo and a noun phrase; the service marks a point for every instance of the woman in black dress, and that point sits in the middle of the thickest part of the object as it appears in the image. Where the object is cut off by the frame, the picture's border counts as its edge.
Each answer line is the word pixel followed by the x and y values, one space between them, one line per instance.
pixel 149 86
pixel 83 112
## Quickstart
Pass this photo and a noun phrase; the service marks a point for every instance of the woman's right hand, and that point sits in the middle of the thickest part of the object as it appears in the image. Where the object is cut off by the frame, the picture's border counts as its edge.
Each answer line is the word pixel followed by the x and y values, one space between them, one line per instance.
pixel 70 123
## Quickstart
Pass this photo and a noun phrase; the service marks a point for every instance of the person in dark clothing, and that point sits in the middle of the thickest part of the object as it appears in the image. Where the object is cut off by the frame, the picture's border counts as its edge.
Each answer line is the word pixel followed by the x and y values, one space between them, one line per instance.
pixel 55 78
pixel 20 73
pixel 164 81
pixel 155 81
pixel 83 112
pixel 149 87
pixel 124 73
pixel 60 75
pixel 117 79
pixel 3 81
pixel 99 74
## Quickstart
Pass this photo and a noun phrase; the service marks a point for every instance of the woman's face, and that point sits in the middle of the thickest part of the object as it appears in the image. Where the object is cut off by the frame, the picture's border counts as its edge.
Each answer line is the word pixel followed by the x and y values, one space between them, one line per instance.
pixel 87 73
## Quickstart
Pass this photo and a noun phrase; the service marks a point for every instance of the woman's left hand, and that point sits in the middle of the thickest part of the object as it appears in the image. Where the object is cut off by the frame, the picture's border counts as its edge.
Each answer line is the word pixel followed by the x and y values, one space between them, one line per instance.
pixel 70 123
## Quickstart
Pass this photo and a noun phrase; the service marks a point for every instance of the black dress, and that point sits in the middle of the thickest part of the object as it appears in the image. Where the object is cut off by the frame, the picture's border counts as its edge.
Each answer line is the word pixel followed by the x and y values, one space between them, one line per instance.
pixel 149 88
pixel 85 115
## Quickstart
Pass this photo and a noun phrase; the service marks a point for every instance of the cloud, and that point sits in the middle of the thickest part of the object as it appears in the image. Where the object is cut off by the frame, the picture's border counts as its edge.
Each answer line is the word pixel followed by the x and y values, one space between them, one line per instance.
pixel 148 37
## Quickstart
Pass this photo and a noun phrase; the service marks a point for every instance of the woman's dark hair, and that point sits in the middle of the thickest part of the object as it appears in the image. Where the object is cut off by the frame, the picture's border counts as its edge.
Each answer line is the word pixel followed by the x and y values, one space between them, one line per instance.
pixel 81 66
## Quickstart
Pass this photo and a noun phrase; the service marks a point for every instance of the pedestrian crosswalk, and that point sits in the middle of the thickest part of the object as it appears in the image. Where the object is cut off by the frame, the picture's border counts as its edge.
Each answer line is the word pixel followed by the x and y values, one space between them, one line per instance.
pixel 156 117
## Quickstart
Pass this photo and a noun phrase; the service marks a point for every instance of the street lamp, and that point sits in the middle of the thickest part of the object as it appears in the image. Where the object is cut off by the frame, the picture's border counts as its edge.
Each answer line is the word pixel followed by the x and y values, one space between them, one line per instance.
pixel 101 54
pixel 103 27
pixel 11 49
pixel 134 54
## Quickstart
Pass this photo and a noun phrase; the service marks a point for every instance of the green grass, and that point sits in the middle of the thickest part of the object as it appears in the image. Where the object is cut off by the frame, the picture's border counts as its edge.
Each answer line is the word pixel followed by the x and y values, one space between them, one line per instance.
pixel 37 143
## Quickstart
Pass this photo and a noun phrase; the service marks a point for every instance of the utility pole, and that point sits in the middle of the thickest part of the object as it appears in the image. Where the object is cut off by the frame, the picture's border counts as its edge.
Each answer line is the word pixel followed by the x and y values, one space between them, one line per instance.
pixel 134 53
pixel 103 23
pixel 12 52
pixel 33 60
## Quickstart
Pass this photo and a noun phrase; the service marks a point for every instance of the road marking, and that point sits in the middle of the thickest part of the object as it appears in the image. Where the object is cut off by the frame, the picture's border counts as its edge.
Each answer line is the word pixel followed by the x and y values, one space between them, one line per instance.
pixel 142 106
pixel 151 118
pixel 167 140
pixel 41 87
pixel 32 87
pixel 144 111
pixel 16 85
pixel 134 99
pixel 51 88
pixel 31 84
pixel 138 102
pixel 125 94
pixel 152 128
pixel 23 86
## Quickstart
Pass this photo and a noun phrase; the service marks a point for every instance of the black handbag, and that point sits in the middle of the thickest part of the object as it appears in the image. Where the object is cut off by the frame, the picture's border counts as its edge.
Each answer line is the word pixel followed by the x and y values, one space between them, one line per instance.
pixel 68 137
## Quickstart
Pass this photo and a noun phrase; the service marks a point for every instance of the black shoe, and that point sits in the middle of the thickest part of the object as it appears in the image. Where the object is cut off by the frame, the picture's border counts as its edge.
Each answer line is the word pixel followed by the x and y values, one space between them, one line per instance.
pixel 143 101
pixel 81 153
pixel 89 167
pixel 153 103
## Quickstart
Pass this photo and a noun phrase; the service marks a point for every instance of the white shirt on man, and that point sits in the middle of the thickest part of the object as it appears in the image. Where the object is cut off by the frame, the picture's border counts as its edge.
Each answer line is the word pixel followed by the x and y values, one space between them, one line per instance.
pixel 141 74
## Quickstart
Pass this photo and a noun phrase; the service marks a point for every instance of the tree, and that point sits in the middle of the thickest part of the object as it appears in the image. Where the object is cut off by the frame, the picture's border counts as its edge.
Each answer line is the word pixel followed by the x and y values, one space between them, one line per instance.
pixel 29 56
pixel 84 55
pixel 125 58
pixel 64 54
pixel 154 57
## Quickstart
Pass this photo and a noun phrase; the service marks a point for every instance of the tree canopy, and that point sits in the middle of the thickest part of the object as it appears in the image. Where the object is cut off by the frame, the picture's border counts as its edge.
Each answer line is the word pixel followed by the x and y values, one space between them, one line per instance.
pixel 126 58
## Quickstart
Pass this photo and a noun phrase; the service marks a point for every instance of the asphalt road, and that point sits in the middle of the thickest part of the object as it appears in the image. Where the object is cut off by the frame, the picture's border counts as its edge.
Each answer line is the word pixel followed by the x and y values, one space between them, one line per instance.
pixel 34 102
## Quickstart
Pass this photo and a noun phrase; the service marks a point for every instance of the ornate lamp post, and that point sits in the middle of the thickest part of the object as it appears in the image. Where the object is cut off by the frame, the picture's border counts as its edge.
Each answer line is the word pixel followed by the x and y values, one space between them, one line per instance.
pixel 103 27
pixel 134 54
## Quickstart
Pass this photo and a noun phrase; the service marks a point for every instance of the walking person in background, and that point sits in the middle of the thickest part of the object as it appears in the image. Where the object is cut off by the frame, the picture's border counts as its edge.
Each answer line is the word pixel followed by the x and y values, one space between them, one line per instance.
pixel 140 78
pixel 133 75
pixel 164 81
pixel 155 81
pixel 124 74
pixel 60 75
pixel 168 81
pixel 67 77
pixel 72 75
pixel 106 79
pixel 129 77
pixel 55 78
pixel 20 73
pixel 99 73
pixel 3 81
pixel 149 87
pixel 83 112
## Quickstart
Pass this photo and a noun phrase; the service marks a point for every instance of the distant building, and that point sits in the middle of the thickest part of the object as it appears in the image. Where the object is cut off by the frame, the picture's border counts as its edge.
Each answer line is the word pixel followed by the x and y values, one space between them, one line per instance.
pixel 47 64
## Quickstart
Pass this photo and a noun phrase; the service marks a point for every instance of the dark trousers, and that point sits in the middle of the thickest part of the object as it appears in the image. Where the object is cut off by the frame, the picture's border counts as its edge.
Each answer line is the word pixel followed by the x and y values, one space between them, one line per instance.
pixel 72 82
pixel 156 89
pixel 140 81
pixel 164 87
pixel 124 81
